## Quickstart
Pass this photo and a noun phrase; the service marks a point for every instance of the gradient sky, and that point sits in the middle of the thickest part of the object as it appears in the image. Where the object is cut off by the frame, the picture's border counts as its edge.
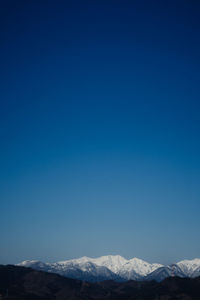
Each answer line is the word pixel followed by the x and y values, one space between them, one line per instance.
pixel 99 118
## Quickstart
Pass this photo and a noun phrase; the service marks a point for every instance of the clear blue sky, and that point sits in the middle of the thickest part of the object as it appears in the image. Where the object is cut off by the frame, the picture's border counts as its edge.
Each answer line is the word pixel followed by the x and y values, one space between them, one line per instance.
pixel 99 118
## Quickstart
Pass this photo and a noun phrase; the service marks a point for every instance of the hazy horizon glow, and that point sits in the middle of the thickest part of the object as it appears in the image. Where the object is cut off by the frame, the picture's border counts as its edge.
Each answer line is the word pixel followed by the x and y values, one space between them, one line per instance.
pixel 100 130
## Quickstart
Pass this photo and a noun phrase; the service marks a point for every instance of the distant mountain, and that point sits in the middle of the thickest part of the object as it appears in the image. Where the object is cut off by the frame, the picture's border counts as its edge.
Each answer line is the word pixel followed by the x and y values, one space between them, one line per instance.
pixel 28 284
pixel 184 269
pixel 117 268
pixel 82 269
pixel 137 269
pixel 190 268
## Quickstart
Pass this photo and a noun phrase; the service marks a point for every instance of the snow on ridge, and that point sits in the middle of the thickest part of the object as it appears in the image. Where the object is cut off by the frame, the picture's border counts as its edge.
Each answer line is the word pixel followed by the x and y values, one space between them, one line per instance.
pixel 138 266
pixel 142 267
pixel 75 260
pixel 134 268
pixel 112 262
pixel 28 262
pixel 189 261
pixel 115 263
pixel 189 266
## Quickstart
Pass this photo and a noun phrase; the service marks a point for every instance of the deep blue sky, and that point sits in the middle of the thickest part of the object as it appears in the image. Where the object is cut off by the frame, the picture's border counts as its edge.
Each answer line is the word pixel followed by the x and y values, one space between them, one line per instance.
pixel 99 118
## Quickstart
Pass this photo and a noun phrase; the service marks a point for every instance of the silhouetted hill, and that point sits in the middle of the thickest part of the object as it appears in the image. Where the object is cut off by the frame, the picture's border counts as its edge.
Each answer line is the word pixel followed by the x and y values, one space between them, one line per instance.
pixel 19 283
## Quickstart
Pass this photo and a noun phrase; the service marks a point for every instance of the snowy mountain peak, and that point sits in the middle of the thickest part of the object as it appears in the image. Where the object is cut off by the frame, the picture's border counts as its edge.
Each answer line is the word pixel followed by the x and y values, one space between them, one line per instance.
pixel 112 262
pixel 138 266
pixel 189 267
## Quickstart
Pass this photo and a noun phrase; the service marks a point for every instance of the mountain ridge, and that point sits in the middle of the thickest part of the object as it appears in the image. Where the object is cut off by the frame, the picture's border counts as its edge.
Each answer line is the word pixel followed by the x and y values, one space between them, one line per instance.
pixel 117 268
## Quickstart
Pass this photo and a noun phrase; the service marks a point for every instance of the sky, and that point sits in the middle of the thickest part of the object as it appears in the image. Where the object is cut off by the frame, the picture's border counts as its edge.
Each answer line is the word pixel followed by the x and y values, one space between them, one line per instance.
pixel 99 129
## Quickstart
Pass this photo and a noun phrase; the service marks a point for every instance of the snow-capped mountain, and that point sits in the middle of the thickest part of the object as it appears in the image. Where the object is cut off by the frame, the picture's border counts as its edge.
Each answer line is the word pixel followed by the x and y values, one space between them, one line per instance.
pixel 136 268
pixel 190 267
pixel 112 262
pixel 184 268
pixel 115 267
pixel 82 268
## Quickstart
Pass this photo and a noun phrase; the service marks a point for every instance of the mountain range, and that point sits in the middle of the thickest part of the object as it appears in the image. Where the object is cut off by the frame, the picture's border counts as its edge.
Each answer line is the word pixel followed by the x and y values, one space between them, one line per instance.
pixel 27 284
pixel 117 268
